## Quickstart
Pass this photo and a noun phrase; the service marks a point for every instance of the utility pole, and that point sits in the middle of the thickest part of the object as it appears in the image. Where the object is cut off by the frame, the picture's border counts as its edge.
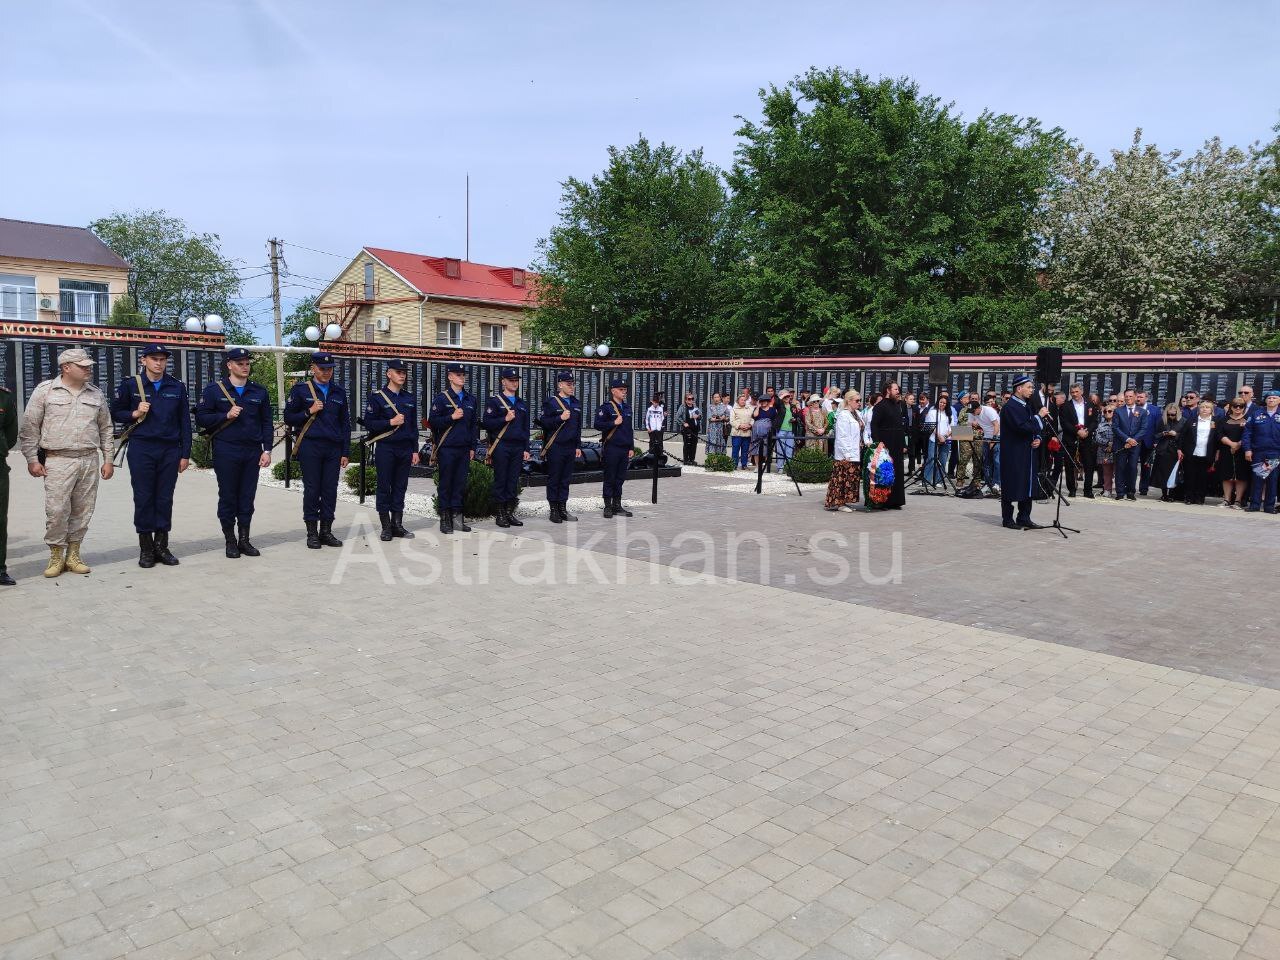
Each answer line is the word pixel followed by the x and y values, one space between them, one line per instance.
pixel 276 257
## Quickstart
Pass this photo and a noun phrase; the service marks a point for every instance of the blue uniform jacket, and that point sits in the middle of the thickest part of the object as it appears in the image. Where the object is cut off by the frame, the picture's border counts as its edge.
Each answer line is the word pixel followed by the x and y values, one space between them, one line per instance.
pixel 170 418
pixel 377 417
pixel 333 424
pixel 1155 416
pixel 570 435
pixel 464 432
pixel 253 428
pixel 622 434
pixel 495 418
pixel 1262 435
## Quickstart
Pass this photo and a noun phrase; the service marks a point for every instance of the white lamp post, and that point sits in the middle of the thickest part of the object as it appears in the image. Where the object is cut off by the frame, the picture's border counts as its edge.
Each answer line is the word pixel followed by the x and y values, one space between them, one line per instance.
pixel 209 323
pixel 910 346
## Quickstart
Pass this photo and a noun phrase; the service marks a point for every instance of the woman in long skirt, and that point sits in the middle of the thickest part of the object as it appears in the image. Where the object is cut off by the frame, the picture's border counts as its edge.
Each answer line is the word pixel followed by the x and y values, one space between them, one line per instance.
pixel 887 427
pixel 846 476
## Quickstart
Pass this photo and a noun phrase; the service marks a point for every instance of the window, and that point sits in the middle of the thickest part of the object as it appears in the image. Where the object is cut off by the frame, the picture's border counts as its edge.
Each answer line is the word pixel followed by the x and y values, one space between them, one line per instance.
pixel 517 277
pixel 490 336
pixel 17 297
pixel 448 333
pixel 452 268
pixel 368 281
pixel 528 342
pixel 83 302
pixel 368 333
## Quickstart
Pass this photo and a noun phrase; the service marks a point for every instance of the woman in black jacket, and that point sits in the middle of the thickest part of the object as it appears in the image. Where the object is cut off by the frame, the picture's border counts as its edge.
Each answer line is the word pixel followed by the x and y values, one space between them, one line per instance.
pixel 1197 446
pixel 1165 466
pixel 888 426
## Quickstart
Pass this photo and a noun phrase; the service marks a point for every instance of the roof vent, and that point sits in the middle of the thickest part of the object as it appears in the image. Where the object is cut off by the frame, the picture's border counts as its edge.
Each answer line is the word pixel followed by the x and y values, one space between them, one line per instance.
pixel 517 277
pixel 452 267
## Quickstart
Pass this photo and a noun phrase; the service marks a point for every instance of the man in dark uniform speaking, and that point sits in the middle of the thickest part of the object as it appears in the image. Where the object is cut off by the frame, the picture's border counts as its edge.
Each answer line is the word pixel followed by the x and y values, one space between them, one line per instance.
pixel 317 411
pixel 561 423
pixel 235 413
pixel 1020 429
pixel 158 413
pixel 455 431
pixel 506 418
pixel 391 417
pixel 613 420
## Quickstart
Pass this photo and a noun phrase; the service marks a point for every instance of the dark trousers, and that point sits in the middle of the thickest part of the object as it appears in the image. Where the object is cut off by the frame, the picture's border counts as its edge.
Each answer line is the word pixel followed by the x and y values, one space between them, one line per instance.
pixel 1126 469
pixel 321 462
pixel 690 444
pixel 559 472
pixel 153 474
pixel 451 488
pixel 507 461
pixel 1084 454
pixel 1263 492
pixel 655 442
pixel 1024 510
pixel 236 467
pixel 615 470
pixel 4 514
pixel 392 463
pixel 1195 478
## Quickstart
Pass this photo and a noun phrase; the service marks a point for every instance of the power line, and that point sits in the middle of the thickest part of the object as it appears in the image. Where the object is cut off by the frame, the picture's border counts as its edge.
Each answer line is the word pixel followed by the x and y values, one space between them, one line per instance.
pixel 340 256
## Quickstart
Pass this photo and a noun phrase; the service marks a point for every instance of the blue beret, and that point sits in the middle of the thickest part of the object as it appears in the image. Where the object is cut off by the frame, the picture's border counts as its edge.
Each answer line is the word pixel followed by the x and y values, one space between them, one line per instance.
pixel 322 360
pixel 1019 381
pixel 618 382
pixel 397 364
pixel 237 353
pixel 456 368
pixel 156 349
pixel 564 376
pixel 508 373
pixel 1271 393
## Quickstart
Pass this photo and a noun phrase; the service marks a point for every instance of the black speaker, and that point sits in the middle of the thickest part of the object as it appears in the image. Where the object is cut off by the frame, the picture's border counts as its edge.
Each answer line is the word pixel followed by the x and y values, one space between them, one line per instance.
pixel 940 369
pixel 1049 365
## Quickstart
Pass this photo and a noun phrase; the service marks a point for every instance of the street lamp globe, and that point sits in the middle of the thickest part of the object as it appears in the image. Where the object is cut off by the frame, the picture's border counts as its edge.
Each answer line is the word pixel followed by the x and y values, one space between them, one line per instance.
pixel 213 323
pixel 886 343
pixel 193 325
pixel 589 350
pixel 602 350
pixel 312 333
pixel 911 347
pixel 332 332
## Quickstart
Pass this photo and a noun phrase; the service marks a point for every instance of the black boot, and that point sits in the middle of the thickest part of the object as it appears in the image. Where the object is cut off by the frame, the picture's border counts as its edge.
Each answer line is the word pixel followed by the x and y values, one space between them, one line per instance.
pixel 247 548
pixel 619 510
pixel 460 523
pixel 446 521
pixel 313 539
pixel 233 546
pixel 608 508
pixel 387 533
pixel 397 526
pixel 162 549
pixel 555 512
pixel 564 512
pixel 327 538
pixel 512 519
pixel 146 551
pixel 500 516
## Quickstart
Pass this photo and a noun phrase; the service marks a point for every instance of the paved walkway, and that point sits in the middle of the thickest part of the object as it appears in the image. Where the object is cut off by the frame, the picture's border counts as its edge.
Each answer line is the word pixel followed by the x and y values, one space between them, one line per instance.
pixel 246 759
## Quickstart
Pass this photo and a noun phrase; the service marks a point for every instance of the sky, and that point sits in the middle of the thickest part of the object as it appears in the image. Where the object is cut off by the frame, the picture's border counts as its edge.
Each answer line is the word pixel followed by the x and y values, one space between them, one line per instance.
pixel 335 125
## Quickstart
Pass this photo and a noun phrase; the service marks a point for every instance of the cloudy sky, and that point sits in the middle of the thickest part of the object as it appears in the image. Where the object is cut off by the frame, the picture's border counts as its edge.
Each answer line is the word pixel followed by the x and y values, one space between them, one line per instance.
pixel 335 125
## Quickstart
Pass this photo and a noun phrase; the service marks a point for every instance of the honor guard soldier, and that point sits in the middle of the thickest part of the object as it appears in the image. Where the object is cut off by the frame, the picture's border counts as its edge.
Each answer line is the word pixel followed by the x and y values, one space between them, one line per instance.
pixel 391 417
pixel 317 412
pixel 561 422
pixel 613 420
pixel 66 424
pixel 235 415
pixel 8 440
pixel 157 413
pixel 1020 429
pixel 506 418
pixel 456 431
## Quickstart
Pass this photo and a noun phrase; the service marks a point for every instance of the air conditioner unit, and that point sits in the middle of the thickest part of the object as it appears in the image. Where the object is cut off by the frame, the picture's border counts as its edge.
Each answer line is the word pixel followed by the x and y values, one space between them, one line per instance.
pixel 48 303
pixel 384 324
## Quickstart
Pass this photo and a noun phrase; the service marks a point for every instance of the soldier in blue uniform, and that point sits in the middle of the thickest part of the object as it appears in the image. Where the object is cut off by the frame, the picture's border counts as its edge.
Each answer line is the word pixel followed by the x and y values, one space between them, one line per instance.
pixel 561 422
pixel 317 411
pixel 455 430
pixel 1020 429
pixel 506 418
pixel 235 414
pixel 157 411
pixel 613 420
pixel 1261 443
pixel 391 417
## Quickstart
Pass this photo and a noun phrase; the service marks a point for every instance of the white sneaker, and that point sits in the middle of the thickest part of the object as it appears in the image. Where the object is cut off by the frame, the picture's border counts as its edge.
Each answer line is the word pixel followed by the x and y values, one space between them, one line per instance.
pixel 846 509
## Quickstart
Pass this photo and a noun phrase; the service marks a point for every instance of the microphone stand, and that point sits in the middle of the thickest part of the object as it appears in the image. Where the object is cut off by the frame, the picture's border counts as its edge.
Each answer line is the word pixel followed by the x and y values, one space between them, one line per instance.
pixel 1057 512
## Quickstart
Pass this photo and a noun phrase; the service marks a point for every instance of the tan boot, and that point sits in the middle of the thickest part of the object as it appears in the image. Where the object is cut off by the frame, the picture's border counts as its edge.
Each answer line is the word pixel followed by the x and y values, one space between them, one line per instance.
pixel 74 563
pixel 57 563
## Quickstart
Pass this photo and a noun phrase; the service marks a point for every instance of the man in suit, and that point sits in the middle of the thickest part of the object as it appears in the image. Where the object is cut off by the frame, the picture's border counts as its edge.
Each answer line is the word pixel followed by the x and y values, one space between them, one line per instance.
pixel 1079 420
pixel 1155 417
pixel 1129 423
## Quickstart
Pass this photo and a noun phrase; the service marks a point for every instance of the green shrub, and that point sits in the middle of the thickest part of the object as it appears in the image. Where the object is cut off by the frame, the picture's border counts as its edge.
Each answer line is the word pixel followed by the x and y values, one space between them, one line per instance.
pixel 201 451
pixel 810 465
pixel 719 463
pixel 295 470
pixel 352 478
pixel 477 501
pixel 636 451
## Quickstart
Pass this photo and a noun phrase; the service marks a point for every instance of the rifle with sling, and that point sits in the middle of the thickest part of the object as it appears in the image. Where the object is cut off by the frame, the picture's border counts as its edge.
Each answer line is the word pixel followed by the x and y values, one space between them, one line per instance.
pixel 123 440
pixel 488 456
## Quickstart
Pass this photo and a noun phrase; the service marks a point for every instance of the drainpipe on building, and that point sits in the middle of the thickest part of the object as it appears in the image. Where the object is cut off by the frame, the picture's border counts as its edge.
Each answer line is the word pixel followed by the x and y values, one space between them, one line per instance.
pixel 421 303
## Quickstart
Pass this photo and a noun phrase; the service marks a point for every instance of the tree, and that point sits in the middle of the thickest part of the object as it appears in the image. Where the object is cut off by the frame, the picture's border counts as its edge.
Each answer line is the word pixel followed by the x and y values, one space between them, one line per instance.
pixel 1153 251
pixel 125 313
pixel 644 243
pixel 870 208
pixel 174 273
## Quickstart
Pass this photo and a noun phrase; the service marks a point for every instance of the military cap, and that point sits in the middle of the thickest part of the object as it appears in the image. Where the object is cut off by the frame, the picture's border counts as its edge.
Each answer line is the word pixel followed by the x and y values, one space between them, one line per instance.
pixel 1271 393
pixel 75 355
pixel 156 349
pixel 398 364
pixel 564 376
pixel 618 382
pixel 456 368
pixel 237 353
pixel 508 373
pixel 322 360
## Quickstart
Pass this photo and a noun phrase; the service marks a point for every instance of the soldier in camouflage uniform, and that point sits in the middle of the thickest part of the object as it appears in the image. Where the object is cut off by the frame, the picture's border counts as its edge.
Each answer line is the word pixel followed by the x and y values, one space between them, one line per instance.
pixel 8 437
pixel 68 419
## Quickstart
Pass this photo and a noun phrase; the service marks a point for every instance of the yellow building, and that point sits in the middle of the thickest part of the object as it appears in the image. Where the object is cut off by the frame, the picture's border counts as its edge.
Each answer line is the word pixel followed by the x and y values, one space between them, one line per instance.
pixel 55 274
pixel 386 296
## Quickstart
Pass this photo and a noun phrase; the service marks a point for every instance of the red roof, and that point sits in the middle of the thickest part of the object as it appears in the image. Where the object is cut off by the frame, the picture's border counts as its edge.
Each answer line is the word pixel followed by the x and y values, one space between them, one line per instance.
pixel 475 281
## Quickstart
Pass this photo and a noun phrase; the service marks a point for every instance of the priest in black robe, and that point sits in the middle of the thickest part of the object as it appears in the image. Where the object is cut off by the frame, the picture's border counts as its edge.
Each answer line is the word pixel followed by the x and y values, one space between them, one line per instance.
pixel 1020 429
pixel 888 426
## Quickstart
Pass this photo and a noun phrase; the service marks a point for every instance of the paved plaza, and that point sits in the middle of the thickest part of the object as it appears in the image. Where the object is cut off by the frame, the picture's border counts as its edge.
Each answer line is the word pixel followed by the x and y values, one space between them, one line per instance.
pixel 579 742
